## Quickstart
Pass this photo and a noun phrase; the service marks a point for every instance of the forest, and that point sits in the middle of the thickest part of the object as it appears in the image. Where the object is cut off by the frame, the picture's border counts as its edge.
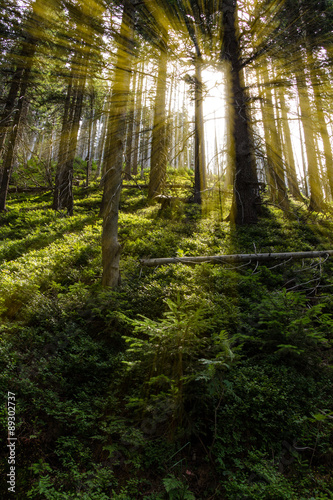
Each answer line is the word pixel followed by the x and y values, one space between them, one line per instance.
pixel 166 222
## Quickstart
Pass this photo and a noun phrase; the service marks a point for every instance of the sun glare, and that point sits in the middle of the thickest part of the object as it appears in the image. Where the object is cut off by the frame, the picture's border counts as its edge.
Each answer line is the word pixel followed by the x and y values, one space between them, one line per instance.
pixel 214 107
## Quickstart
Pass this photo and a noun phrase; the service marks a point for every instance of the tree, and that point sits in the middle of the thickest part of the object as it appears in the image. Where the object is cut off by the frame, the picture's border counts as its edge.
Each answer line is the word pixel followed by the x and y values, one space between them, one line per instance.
pixel 115 147
pixel 86 30
pixel 159 135
pixel 246 198
pixel 15 102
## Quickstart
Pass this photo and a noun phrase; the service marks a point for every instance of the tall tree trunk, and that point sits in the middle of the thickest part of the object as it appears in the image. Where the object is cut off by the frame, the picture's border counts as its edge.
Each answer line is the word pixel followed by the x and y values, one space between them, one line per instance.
pixel 229 172
pixel 137 122
pixel 266 118
pixel 199 135
pixel 63 192
pixel 276 151
pixel 91 138
pixel 158 146
pixel 320 115
pixel 23 79
pixel 66 179
pixel 102 140
pixel 9 158
pixel 63 146
pixel 130 128
pixel 305 173
pixel 114 150
pixel 288 148
pixel 310 146
pixel 7 114
pixel 246 197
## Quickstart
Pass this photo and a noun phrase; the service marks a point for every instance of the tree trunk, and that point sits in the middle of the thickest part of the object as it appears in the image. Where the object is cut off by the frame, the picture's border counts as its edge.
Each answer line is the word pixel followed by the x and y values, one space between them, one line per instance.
pixel 91 138
pixel 66 178
pixel 234 258
pixel 310 147
pixel 137 122
pixel 288 149
pixel 63 192
pixel 7 115
pixel 63 146
pixel 27 53
pixel 158 146
pixel 246 197
pixel 267 137
pixel 275 148
pixel 114 150
pixel 130 129
pixel 199 135
pixel 328 153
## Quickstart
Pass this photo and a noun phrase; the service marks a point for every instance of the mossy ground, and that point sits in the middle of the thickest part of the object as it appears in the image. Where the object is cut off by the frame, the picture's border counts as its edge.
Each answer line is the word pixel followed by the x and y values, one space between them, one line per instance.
pixel 92 424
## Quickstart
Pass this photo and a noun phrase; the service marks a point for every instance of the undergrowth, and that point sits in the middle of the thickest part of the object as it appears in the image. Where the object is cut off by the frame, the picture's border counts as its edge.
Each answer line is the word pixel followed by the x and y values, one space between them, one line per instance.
pixel 185 382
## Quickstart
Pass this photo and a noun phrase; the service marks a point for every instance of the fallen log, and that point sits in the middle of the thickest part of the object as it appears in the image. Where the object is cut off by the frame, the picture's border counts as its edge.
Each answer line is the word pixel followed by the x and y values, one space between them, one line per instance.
pixel 235 258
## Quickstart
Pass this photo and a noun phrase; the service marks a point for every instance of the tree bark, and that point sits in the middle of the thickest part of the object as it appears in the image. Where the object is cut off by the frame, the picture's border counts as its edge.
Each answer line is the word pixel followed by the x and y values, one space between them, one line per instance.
pixel 63 146
pixel 27 53
pixel 288 149
pixel 130 129
pixel 246 197
pixel 199 135
pixel 221 259
pixel 320 115
pixel 137 122
pixel 114 150
pixel 310 147
pixel 7 114
pixel 158 145
pixel 63 192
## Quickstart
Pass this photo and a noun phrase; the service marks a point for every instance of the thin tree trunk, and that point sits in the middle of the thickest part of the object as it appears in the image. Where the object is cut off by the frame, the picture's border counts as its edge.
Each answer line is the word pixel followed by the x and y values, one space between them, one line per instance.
pixel 90 140
pixel 234 258
pixel 267 137
pixel 28 52
pixel 9 158
pixel 288 148
pixel 66 184
pixel 229 178
pixel 158 147
pixel 199 136
pixel 63 146
pixel 7 115
pixel 114 152
pixel 310 147
pixel 130 129
pixel 276 153
pixel 328 153
pixel 137 122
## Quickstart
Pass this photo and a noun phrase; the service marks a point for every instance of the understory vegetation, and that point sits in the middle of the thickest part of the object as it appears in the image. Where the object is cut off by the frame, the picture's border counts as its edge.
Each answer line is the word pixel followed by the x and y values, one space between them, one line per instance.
pixel 185 382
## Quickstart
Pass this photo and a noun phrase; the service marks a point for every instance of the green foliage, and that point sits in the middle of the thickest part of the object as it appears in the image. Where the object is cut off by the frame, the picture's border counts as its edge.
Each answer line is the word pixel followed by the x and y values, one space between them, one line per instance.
pixel 177 489
pixel 288 325
pixel 237 361
pixel 170 351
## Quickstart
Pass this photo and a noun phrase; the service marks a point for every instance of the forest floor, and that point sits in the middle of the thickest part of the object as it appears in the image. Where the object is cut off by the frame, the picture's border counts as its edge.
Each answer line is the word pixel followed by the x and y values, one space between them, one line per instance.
pixel 186 382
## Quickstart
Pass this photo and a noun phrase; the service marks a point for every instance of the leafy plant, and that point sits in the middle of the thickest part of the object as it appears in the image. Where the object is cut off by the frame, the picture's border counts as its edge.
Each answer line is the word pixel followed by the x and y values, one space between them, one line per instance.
pixel 177 489
pixel 170 351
